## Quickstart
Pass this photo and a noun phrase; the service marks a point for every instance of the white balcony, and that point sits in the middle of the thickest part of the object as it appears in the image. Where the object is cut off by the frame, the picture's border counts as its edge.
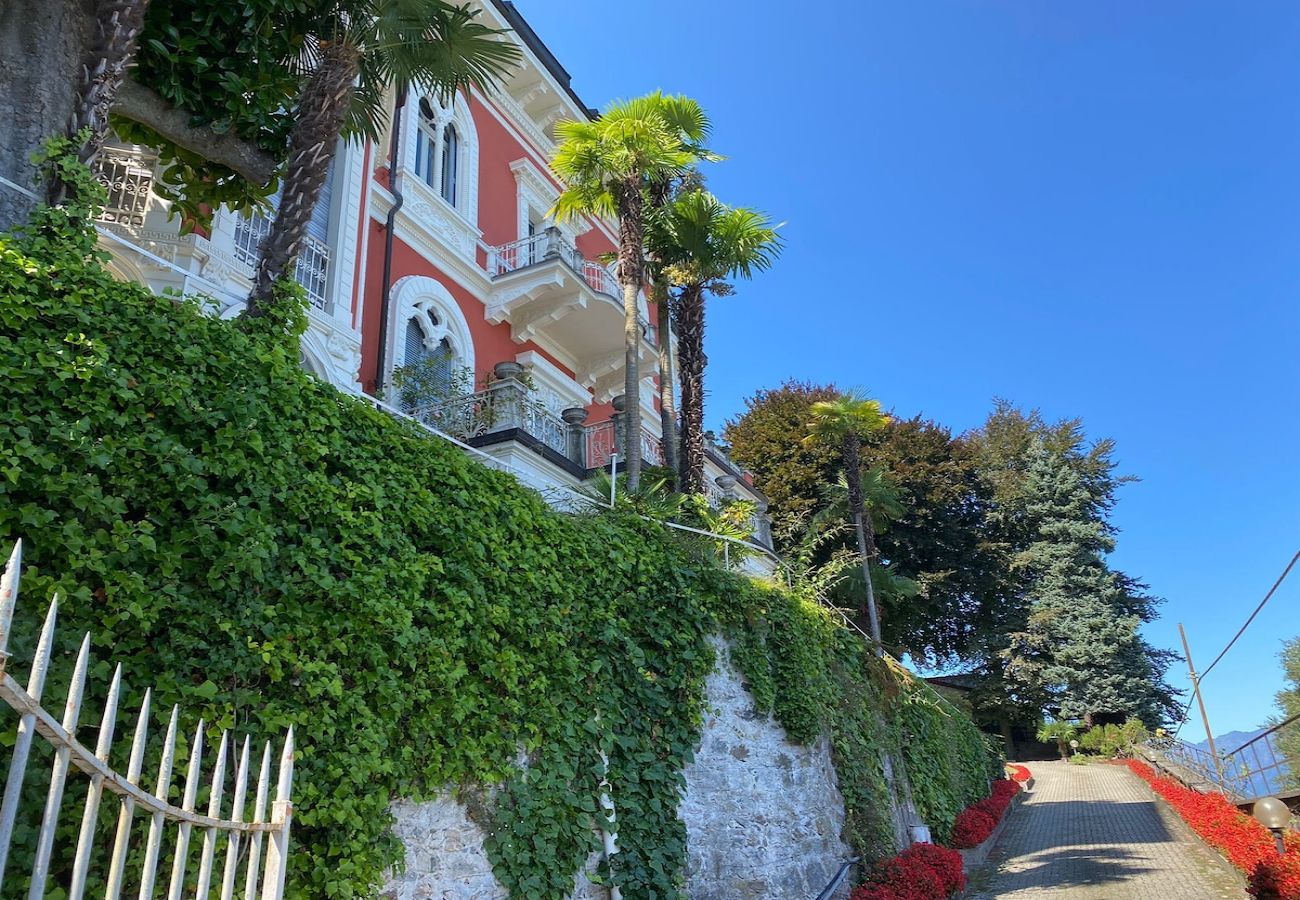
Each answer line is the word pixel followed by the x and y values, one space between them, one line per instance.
pixel 547 291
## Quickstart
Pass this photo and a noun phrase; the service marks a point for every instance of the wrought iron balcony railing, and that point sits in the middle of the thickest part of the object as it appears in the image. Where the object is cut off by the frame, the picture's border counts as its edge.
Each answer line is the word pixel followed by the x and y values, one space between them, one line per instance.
pixel 549 244
pixel 506 406
pixel 604 438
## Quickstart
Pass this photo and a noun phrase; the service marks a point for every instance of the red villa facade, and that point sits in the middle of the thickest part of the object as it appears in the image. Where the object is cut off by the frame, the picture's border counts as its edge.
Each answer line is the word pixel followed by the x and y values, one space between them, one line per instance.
pixel 432 253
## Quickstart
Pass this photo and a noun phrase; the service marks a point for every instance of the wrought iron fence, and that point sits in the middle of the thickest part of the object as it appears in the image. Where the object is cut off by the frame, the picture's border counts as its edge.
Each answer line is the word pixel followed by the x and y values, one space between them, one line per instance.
pixel 1258 768
pixel 1261 766
pixel 263 877
pixel 502 406
pixel 604 439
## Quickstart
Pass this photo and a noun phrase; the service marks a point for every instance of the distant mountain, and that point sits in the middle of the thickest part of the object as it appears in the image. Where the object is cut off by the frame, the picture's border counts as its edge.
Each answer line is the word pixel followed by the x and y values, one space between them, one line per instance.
pixel 1256 784
pixel 1226 743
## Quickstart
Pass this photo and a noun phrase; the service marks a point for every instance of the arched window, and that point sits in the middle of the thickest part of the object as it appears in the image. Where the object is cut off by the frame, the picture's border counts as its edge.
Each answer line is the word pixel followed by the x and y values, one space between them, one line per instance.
pixel 443 149
pixel 450 163
pixel 429 333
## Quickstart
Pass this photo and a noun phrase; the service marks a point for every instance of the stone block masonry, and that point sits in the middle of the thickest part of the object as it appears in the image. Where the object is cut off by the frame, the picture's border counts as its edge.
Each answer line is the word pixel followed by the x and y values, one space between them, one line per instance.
pixel 763 817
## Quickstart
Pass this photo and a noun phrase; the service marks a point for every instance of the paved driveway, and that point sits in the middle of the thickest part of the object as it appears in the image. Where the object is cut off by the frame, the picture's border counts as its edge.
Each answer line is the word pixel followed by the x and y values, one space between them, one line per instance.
pixel 1096 832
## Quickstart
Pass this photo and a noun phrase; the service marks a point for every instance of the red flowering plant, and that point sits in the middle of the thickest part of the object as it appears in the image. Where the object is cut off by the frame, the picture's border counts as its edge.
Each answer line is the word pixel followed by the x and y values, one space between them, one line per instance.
pixel 972 827
pixel 921 872
pixel 1245 843
pixel 976 822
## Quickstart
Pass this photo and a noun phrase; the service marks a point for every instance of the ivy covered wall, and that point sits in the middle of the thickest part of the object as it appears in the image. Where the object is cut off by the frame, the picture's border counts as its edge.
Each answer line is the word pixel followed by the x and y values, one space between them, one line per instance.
pixel 269 552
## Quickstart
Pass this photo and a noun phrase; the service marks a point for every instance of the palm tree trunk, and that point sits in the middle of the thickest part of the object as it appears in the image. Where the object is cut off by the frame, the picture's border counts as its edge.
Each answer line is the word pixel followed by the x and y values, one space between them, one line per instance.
pixel 631 272
pixel 690 351
pixel 118 24
pixel 862 528
pixel 312 143
pixel 667 403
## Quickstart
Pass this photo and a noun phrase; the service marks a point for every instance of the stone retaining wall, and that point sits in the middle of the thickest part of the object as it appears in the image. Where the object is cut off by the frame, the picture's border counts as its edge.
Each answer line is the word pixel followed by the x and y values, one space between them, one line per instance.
pixel 763 817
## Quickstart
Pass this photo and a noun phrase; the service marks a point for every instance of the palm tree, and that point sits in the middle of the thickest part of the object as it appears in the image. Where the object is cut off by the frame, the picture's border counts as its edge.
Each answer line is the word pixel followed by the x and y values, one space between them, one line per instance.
pixel 608 166
pixel 844 422
pixel 703 242
pixel 361 47
pixel 118 24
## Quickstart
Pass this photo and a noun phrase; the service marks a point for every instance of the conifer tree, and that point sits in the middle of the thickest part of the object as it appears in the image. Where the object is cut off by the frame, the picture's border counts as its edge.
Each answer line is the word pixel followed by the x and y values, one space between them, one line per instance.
pixel 1081 651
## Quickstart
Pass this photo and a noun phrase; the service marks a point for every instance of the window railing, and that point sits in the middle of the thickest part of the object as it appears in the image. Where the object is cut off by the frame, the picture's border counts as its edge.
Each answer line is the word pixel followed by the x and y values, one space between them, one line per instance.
pixel 311 269
pixel 127 175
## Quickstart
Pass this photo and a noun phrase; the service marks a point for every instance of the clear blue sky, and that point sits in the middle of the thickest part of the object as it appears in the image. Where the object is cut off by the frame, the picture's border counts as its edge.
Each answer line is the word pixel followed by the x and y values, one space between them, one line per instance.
pixel 1089 208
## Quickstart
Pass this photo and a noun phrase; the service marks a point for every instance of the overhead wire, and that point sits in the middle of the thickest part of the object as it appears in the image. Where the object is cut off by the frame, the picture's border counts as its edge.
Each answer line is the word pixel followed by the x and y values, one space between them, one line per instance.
pixel 1182 719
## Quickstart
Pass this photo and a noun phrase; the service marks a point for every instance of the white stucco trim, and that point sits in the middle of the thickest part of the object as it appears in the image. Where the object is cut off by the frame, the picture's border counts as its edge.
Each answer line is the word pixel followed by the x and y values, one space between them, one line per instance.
pixel 557 388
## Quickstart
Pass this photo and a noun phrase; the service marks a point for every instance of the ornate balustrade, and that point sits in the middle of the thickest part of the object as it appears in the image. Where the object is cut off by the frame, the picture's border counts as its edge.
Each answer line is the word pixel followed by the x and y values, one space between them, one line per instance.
pixel 546 245
pixel 603 439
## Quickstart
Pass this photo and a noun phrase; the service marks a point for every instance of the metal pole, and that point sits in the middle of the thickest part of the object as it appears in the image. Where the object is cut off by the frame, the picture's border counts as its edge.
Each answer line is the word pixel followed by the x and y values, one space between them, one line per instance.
pixel 1200 701
pixel 613 478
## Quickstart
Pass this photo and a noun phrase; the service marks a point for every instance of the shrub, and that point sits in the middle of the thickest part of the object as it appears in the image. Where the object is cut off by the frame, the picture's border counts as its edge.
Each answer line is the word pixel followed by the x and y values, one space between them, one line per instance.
pixel 921 872
pixel 1112 741
pixel 1246 843
pixel 976 822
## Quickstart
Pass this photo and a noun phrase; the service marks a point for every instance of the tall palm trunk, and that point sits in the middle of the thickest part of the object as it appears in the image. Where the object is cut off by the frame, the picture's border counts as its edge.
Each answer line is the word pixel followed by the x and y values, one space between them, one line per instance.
pixel 659 194
pixel 862 527
pixel 690 351
pixel 312 143
pixel 667 404
pixel 118 24
pixel 631 272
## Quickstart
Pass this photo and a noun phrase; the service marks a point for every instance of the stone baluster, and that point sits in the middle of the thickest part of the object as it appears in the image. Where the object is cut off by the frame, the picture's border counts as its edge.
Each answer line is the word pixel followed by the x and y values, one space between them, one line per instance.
pixel 574 418
pixel 508 397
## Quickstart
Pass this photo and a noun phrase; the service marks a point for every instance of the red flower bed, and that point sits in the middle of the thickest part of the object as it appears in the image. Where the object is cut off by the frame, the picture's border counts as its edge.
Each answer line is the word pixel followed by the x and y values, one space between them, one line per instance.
pixel 1246 843
pixel 976 822
pixel 921 872
pixel 1019 774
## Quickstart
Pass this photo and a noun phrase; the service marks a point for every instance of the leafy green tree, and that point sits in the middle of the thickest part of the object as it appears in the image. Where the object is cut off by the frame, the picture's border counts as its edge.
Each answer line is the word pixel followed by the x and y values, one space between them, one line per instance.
pixel 219 76
pixel 1081 650
pixel 700 242
pixel 361 47
pixel 956 579
pixel 767 439
pixel 608 165
pixel 1288 702
pixel 844 422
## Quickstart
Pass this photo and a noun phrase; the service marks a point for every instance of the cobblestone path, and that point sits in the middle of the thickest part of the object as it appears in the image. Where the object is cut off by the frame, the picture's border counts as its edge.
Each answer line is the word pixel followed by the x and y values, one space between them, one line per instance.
pixel 1096 832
